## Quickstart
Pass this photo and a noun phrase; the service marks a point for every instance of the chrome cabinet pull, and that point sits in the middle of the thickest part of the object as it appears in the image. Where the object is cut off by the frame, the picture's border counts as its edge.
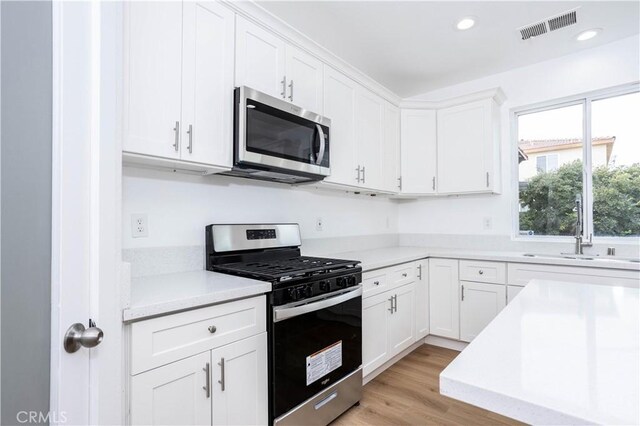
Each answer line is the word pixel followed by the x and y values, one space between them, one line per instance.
pixel 487 179
pixel 358 178
pixel 433 183
pixel 376 283
pixel 221 381
pixel 463 293
pixel 212 329
pixel 190 133
pixel 391 308
pixel 420 272
pixel 364 179
pixel 395 303
pixel 291 90
pixel 207 386
pixel 176 130
pixel 400 183
pixel 480 272
pixel 284 87
pixel 404 274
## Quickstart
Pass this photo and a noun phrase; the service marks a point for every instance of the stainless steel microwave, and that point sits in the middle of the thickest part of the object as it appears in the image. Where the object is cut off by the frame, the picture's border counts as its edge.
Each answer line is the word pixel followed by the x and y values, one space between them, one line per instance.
pixel 278 141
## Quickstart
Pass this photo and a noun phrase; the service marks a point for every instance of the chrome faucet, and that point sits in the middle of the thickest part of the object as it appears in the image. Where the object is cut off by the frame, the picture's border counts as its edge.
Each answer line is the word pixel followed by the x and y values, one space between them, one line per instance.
pixel 579 227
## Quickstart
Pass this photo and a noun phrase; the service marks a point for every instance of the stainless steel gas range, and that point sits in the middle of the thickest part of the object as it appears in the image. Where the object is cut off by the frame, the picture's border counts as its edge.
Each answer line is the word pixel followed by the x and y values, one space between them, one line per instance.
pixel 314 319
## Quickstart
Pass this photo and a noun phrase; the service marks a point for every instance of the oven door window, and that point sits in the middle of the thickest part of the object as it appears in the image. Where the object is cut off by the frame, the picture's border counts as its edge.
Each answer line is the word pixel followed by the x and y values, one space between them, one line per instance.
pixel 298 341
pixel 279 134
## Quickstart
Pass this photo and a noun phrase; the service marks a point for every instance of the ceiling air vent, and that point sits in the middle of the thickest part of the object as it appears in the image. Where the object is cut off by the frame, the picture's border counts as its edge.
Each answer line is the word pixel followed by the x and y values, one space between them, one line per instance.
pixel 549 24
pixel 562 21
pixel 533 30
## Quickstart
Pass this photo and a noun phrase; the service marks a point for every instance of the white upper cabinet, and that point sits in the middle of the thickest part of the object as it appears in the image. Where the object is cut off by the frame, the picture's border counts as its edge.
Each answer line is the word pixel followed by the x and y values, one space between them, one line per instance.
pixel 468 140
pixel 260 59
pixel 207 83
pixel 369 135
pixel 419 151
pixel 153 76
pixel 391 149
pixel 304 79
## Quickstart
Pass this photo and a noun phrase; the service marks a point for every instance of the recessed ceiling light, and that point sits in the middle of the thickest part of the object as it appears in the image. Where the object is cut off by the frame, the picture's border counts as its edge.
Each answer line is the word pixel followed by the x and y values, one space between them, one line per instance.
pixel 588 34
pixel 465 23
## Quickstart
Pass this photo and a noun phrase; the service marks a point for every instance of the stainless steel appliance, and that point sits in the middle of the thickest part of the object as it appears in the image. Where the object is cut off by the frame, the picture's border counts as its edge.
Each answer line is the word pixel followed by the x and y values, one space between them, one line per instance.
pixel 276 140
pixel 314 319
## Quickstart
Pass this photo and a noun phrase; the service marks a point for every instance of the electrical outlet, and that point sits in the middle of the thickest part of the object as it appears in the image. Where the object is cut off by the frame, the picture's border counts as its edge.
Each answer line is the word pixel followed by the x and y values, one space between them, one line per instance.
pixel 319 224
pixel 487 223
pixel 139 228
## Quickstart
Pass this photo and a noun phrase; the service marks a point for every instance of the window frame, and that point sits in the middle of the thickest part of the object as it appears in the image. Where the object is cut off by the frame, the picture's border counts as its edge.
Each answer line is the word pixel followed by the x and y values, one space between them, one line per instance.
pixel 584 99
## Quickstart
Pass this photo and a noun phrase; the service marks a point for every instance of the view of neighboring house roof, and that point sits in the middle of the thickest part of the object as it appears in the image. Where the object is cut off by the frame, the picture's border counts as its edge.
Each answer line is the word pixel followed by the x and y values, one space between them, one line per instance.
pixel 544 145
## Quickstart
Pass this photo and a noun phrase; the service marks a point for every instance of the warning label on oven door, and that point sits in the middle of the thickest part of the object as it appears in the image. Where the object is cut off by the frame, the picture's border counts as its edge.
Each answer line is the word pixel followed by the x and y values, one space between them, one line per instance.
pixel 324 362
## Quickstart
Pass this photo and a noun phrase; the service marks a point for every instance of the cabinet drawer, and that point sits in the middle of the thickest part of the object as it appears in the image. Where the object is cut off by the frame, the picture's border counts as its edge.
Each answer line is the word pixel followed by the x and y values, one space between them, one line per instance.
pixel 481 271
pixel 162 340
pixel 402 274
pixel 373 282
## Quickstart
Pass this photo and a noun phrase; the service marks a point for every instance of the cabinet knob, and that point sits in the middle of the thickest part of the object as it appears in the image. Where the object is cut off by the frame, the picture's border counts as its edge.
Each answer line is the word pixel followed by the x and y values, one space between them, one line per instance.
pixel 212 329
pixel 376 283
pixel 481 272
pixel 404 274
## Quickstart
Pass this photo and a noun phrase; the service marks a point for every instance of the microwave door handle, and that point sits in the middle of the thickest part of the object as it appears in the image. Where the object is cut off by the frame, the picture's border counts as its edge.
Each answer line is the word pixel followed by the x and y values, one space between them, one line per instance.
pixel 284 313
pixel 320 155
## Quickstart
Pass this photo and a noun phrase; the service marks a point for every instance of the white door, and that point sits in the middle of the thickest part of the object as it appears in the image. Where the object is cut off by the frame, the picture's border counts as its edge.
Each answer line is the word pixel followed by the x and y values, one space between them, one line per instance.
pixel 339 105
pixel 391 149
pixel 153 76
pixel 260 59
pixel 402 321
pixel 512 292
pixel 239 382
pixel 207 83
pixel 444 298
pixel 479 304
pixel 419 140
pixel 464 147
pixel 304 75
pixel 174 394
pixel 86 385
pixel 369 134
pixel 422 299
pixel 375 339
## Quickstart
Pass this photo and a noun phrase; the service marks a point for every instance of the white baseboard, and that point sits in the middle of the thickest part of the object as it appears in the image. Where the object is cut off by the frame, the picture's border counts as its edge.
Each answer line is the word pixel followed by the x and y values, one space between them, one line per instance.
pixel 443 342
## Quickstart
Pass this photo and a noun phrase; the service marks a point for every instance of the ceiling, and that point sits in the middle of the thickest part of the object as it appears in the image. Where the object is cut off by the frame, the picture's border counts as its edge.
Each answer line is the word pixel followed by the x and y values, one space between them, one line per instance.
pixel 412 47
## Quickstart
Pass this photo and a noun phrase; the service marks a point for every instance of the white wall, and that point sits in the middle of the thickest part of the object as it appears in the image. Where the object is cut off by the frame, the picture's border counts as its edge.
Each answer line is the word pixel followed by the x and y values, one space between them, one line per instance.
pixel 591 69
pixel 179 206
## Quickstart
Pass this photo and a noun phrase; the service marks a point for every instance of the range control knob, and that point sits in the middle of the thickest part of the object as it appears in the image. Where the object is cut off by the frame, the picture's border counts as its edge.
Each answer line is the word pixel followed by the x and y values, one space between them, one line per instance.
pixel 342 282
pixel 309 291
pixel 324 286
pixel 293 295
pixel 301 292
pixel 351 280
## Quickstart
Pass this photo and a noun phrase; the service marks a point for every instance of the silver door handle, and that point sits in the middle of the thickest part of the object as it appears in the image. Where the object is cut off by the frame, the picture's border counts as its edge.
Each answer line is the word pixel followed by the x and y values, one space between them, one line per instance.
pixel 487 179
pixel 391 308
pixel 221 381
pixel 291 90
pixel 78 337
pixel 364 179
pixel 395 303
pixel 176 131
pixel 299 308
pixel 433 183
pixel 400 183
pixel 190 133
pixel 358 178
pixel 284 87
pixel 463 293
pixel 207 386
pixel 322 144
pixel 420 272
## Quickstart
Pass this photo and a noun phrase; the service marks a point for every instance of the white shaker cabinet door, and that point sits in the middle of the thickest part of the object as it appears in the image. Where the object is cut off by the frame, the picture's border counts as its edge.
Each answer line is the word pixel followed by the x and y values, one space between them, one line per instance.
pixel 304 79
pixel 422 299
pixel 418 139
pixel 369 136
pixel 239 382
pixel 339 105
pixel 174 394
pixel 260 59
pixel 391 149
pixel 402 321
pixel 153 76
pixel 444 298
pixel 479 304
pixel 207 83
pixel 375 336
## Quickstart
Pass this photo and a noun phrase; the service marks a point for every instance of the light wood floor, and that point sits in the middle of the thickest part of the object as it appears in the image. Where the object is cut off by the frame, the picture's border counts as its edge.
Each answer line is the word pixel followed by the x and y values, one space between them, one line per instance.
pixel 408 394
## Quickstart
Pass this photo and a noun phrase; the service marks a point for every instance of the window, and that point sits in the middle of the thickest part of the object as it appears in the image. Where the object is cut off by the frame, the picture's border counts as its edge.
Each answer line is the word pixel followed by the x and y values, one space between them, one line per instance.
pixel 558 165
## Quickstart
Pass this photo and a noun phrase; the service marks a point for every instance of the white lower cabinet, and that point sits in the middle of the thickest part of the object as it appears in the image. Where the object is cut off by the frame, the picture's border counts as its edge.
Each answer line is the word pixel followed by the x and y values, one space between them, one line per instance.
pixel 402 320
pixel 479 304
pixel 512 291
pixel 422 299
pixel 226 384
pixel 444 298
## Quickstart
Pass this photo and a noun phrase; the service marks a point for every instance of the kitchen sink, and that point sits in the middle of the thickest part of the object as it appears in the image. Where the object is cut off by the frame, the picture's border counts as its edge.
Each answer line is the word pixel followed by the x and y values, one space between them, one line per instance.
pixel 583 257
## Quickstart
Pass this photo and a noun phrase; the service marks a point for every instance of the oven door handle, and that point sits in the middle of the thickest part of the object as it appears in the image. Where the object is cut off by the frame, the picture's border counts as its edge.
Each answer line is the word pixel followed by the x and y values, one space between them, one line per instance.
pixel 320 155
pixel 280 314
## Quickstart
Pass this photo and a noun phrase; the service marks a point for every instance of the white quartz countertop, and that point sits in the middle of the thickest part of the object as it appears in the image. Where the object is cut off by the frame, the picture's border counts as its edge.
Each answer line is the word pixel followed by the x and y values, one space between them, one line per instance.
pixel 162 294
pixel 387 256
pixel 559 353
